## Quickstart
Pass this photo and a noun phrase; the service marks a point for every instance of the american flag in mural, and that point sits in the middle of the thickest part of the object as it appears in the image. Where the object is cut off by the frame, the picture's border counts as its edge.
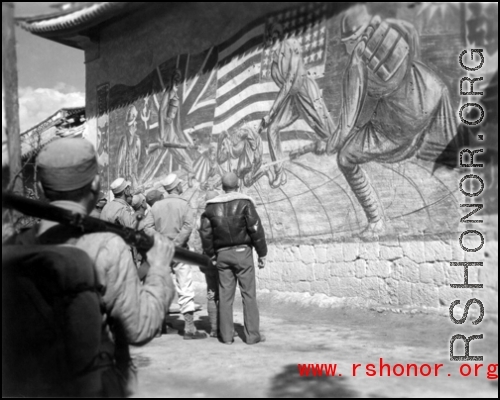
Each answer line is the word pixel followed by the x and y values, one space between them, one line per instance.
pixel 245 90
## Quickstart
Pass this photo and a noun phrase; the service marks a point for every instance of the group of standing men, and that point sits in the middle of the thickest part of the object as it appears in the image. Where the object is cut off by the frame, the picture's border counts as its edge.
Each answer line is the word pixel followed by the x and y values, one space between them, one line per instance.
pixel 134 305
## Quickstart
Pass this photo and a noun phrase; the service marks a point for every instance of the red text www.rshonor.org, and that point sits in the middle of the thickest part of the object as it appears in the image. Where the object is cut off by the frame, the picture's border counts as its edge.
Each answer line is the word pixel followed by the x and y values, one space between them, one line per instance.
pixel 489 371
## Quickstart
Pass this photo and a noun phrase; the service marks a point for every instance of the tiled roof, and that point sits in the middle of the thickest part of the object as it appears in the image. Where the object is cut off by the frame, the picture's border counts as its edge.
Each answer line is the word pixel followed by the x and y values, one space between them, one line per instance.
pixel 67 25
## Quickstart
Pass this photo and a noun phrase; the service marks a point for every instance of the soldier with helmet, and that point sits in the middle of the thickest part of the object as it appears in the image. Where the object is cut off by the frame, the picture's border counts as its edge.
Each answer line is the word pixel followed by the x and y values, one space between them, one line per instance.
pixel 393 105
pixel 298 92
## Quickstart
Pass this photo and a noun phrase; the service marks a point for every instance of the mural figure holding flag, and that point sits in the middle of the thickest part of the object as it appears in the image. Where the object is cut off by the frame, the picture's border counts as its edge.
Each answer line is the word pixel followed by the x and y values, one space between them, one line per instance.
pixel 407 105
pixel 299 97
pixel 129 151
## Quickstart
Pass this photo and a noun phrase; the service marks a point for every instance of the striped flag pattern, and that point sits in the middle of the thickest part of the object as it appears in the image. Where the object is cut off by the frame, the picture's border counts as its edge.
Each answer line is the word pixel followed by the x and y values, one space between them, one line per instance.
pixel 245 90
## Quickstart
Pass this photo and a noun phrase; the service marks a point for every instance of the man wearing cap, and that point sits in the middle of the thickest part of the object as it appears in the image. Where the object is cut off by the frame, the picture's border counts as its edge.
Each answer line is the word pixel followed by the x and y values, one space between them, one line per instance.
pixel 393 105
pixel 230 229
pixel 142 208
pixel 153 196
pixel 119 210
pixel 67 169
pixel 174 219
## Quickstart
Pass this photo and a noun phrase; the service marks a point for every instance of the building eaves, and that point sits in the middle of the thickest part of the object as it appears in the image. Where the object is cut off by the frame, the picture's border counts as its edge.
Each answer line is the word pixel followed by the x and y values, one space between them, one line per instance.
pixel 65 25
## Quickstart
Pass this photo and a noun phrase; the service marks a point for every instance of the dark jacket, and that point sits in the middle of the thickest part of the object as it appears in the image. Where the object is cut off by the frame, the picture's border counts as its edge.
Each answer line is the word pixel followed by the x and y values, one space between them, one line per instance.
pixel 231 220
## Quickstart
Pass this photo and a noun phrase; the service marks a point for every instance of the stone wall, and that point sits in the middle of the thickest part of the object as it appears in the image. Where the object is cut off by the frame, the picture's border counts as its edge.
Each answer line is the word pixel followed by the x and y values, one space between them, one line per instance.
pixel 397 274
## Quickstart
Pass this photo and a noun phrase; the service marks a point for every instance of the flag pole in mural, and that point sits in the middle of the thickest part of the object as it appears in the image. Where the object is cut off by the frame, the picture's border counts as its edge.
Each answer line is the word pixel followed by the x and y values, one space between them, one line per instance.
pixel 334 104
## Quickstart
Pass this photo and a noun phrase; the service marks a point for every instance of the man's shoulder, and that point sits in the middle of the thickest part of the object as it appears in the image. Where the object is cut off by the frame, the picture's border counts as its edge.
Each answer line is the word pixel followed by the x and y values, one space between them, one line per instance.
pixel 170 201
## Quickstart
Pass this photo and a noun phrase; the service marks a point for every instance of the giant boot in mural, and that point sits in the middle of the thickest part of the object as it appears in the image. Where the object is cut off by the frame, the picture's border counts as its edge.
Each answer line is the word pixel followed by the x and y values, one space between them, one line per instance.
pixel 407 104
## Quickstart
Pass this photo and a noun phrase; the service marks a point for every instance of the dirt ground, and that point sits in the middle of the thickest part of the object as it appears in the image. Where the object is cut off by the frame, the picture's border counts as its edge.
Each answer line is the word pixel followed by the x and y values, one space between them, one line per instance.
pixel 172 367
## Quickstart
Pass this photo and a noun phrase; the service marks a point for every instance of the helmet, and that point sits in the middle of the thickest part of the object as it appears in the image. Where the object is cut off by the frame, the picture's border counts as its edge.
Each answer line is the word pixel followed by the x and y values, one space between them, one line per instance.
pixel 131 115
pixel 354 22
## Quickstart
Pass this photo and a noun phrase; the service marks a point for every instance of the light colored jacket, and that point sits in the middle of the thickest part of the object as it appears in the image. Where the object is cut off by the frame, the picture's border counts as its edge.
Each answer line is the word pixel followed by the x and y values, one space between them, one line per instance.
pixel 119 212
pixel 138 309
pixel 174 218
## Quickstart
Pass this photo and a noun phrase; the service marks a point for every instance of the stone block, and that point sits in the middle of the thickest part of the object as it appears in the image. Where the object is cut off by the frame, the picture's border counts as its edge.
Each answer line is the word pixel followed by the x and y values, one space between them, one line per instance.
pixel 390 253
pixel 424 295
pixel 302 272
pixel 414 250
pixel 306 253
pixel 426 272
pixel 321 271
pixel 320 287
pixel 335 252
pixel 392 286
pixel 271 251
pixel 489 298
pixel 406 270
pixel 488 275
pixel 322 254
pixel 350 251
pixel 370 288
pixel 404 293
pixel 456 274
pixel 335 286
pixel 302 287
pixel 360 267
pixel 457 253
pixel 437 250
pixel 343 269
pixel 369 250
pixel 439 275
pixel 448 295
pixel 380 268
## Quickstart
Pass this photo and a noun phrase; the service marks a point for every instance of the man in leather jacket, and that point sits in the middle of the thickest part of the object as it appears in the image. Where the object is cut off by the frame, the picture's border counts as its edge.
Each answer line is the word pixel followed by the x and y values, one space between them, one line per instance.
pixel 230 229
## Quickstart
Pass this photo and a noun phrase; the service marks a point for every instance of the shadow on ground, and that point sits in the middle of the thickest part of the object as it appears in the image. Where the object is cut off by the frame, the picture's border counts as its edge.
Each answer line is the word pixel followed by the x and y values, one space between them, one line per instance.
pixel 290 384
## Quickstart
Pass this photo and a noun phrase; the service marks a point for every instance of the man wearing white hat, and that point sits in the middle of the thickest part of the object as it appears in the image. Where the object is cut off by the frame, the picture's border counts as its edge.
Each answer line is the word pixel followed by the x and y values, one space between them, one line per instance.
pixel 119 210
pixel 174 219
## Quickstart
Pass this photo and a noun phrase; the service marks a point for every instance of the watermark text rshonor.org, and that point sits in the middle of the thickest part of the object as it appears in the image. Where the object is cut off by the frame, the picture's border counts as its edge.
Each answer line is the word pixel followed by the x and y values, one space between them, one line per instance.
pixel 467 161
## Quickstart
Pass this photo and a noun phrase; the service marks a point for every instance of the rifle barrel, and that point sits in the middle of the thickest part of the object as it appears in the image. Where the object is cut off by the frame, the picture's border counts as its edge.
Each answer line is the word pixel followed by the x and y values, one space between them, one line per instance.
pixel 38 209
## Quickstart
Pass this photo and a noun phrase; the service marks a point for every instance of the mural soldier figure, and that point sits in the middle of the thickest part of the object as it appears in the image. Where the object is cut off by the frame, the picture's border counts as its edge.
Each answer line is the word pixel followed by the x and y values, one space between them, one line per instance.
pixel 407 104
pixel 129 151
pixel 245 146
pixel 170 131
pixel 299 97
pixel 207 169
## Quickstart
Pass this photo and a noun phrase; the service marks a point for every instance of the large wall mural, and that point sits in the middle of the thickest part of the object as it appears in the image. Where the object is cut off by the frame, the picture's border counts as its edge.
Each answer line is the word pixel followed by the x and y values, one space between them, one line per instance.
pixel 338 125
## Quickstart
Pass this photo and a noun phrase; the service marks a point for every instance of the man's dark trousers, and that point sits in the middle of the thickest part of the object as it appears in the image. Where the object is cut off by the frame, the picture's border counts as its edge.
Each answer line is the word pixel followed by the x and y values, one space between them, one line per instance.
pixel 236 265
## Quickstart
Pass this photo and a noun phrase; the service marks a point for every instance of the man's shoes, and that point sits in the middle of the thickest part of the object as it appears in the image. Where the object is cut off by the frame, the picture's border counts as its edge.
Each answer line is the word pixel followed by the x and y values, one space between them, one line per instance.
pixel 214 334
pixel 194 335
pixel 262 340
pixel 231 342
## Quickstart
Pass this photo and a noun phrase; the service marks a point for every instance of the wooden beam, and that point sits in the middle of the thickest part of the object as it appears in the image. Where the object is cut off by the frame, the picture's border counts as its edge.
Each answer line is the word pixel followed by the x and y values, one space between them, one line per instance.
pixel 10 82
